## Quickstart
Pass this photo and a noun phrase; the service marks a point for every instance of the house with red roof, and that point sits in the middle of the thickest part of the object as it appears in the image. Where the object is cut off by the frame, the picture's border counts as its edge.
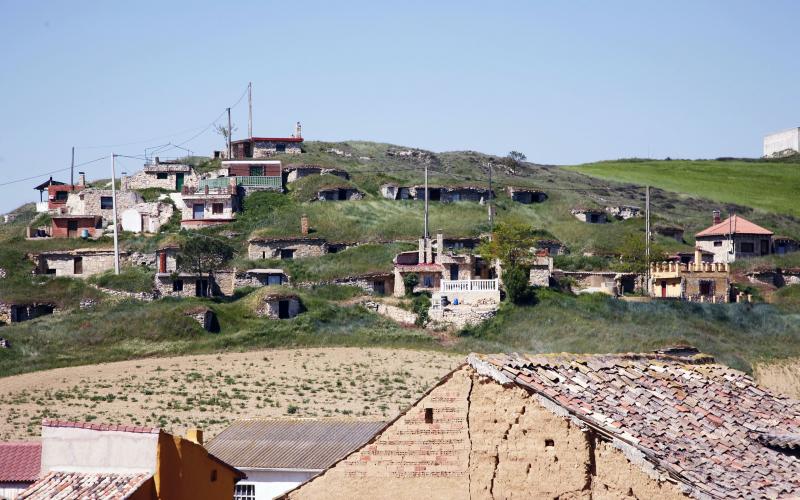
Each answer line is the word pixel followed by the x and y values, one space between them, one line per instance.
pixel 734 238
pixel 20 463
pixel 263 147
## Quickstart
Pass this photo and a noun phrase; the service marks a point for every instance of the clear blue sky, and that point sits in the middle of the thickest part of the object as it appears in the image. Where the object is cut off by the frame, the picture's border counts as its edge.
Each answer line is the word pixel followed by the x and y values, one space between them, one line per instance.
pixel 563 82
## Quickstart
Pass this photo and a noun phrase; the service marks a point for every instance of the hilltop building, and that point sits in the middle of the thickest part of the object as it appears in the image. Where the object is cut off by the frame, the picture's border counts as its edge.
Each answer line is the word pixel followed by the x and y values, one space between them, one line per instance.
pixel 279 454
pixel 667 425
pixel 285 247
pixel 264 147
pixel 171 175
pixel 783 143
pixel 734 238
pixel 589 215
pixel 210 206
pixel 118 461
pixel 249 175
pixel 78 263
pixel 526 195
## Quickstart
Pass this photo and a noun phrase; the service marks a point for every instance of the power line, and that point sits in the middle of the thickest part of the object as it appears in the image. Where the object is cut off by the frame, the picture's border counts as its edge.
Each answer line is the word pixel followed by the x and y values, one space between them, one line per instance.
pixel 53 171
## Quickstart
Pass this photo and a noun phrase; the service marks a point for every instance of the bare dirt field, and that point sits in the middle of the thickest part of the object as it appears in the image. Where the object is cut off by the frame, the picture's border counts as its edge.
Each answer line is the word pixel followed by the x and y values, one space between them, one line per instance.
pixel 780 376
pixel 209 391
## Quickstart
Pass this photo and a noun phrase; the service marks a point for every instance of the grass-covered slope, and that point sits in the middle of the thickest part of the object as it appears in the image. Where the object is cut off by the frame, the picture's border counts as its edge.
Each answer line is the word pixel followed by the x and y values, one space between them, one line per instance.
pixel 771 186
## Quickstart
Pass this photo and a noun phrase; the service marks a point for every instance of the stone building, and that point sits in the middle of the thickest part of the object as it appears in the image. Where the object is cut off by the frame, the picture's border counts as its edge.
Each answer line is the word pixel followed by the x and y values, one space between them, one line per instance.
pixel 76 226
pixel 94 201
pixel 376 283
pixel 296 171
pixel 171 175
pixel 783 143
pixel 210 206
pixel 784 244
pixel 624 212
pixel 78 263
pixel 696 281
pixel 669 231
pixel 16 312
pixel 608 282
pixel 590 215
pixel 734 238
pixel 525 195
pixel 278 304
pixel 264 147
pixel 553 247
pixel 666 425
pixel 286 247
pixel 540 270
pixel 260 277
pixel 167 258
pixel 185 284
pixel 444 194
pixel 147 217
pixel 341 192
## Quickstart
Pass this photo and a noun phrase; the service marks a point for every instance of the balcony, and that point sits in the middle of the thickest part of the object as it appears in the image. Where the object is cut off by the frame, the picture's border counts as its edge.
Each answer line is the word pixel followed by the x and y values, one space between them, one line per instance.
pixel 469 285
pixel 258 181
pixel 42 206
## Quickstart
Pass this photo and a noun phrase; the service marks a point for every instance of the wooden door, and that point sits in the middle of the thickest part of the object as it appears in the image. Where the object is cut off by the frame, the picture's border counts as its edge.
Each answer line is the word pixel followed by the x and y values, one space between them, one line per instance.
pixel 178 182
pixel 72 229
pixel 663 289
pixel 77 265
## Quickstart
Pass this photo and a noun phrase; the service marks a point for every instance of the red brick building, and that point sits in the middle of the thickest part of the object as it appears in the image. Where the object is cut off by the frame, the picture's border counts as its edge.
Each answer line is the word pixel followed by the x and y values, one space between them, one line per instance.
pixel 72 226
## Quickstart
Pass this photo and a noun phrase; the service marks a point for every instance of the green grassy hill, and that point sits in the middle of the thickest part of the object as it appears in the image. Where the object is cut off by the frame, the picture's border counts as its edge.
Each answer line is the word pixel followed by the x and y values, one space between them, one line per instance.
pixel 685 194
pixel 768 185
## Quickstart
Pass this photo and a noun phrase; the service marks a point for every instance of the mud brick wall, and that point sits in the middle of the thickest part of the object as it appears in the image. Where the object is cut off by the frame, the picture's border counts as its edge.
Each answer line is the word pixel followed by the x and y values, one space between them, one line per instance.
pixel 485 441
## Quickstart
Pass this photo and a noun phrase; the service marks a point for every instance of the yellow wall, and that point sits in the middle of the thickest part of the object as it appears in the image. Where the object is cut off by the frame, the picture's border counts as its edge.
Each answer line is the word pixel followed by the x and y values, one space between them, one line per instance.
pixel 185 470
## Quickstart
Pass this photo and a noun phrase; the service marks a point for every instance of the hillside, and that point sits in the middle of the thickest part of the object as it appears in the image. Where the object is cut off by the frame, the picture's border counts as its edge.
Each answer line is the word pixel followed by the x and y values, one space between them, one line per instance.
pixel 741 335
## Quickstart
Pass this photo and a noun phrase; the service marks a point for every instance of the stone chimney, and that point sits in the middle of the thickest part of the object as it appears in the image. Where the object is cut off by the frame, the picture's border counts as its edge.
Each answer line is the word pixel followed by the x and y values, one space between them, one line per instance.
pixel 439 244
pixel 698 258
pixel 428 251
pixel 304 225
pixel 195 435
pixel 717 218
pixel 421 251
pixel 81 178
pixel 298 130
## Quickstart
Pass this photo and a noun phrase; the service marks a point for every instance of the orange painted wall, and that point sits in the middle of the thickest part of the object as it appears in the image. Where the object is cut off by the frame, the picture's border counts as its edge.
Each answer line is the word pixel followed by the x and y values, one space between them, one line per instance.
pixel 185 471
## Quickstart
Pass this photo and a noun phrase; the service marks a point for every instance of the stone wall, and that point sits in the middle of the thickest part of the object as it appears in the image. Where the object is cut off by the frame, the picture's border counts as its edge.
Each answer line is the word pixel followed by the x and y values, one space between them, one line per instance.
pixel 460 316
pixel 591 217
pixel 776 277
pixel 394 313
pixel 88 202
pixel 265 149
pixel 270 307
pixel 311 247
pixel 64 264
pixel 470 437
pixel 149 179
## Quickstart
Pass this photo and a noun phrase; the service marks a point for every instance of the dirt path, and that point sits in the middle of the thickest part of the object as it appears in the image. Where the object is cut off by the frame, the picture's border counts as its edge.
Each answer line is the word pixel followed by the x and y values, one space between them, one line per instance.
pixel 209 391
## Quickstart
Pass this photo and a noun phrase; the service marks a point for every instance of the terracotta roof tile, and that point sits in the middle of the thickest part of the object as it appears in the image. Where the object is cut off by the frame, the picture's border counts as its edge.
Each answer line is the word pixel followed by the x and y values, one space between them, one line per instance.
pixel 707 426
pixel 734 225
pixel 20 461
pixel 100 427
pixel 71 485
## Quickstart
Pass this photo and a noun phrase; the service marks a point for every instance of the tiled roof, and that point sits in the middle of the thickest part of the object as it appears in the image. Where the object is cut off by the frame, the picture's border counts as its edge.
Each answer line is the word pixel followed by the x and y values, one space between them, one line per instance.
pixel 20 462
pixel 291 444
pixel 700 423
pixel 734 225
pixel 101 427
pixel 72 485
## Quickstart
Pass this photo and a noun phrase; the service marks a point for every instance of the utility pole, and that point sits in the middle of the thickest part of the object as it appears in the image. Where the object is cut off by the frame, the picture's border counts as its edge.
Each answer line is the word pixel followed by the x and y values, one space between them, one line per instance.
pixel 230 136
pixel 426 202
pixel 647 237
pixel 250 109
pixel 114 210
pixel 491 210
pixel 72 171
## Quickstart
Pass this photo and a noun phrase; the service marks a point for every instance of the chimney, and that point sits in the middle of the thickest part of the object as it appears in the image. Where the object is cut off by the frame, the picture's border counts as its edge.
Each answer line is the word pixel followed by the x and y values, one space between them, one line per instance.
pixel 81 178
pixel 298 130
pixel 157 160
pixel 428 251
pixel 439 243
pixel 698 257
pixel 195 435
pixel 716 215
pixel 304 225
pixel 421 251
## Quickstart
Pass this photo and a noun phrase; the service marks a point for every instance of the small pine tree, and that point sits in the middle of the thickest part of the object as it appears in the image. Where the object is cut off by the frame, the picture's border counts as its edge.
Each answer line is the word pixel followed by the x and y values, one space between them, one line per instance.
pixel 515 280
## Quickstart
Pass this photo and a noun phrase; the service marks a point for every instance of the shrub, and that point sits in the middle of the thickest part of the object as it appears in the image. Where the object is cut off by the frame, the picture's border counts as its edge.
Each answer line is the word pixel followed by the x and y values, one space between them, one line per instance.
pixel 420 305
pixel 409 282
pixel 515 280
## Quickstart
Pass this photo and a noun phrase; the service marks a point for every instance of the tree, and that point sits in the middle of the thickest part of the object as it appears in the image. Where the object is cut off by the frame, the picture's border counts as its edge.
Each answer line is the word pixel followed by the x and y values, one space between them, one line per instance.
pixel 516 283
pixel 203 254
pixel 517 157
pixel 225 133
pixel 511 244
pixel 633 252
pixel 409 282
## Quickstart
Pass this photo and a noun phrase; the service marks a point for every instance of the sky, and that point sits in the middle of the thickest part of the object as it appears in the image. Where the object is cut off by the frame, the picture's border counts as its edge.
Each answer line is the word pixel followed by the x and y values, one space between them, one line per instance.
pixel 563 82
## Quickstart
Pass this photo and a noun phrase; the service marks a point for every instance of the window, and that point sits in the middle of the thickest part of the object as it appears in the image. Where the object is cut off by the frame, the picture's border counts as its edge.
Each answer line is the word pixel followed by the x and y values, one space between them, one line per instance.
pixel 747 247
pixel 162 175
pixel 274 279
pixel 177 286
pixel 717 243
pixel 244 492
pixel 77 265
pixel 427 281
pixel 428 415
pixel 62 195
pixel 213 475
pixel 706 288
pixel 216 208
pixel 287 254
pixel 256 170
pixel 549 443
pixel 280 148
pixel 106 203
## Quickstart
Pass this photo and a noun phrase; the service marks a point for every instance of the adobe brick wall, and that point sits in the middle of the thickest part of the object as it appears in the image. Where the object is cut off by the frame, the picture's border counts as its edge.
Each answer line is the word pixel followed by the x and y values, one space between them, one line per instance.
pixel 486 441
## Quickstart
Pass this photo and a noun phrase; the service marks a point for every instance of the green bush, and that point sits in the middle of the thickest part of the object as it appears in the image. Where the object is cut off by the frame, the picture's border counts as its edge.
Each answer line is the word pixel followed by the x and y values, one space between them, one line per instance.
pixel 420 305
pixel 130 279
pixel 515 281
pixel 409 282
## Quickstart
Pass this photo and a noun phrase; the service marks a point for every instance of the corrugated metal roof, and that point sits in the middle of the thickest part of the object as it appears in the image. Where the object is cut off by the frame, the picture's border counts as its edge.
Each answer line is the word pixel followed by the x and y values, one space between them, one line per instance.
pixel 291 444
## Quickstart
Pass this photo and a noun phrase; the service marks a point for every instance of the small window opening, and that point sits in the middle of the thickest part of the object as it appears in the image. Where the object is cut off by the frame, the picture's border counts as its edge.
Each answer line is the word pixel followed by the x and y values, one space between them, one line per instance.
pixel 428 415
pixel 213 475
pixel 549 443
pixel 161 175
pixel 177 286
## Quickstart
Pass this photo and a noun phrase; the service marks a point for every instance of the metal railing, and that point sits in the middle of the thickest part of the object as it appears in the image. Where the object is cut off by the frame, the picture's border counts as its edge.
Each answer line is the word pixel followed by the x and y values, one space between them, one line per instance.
pixel 242 180
pixel 469 285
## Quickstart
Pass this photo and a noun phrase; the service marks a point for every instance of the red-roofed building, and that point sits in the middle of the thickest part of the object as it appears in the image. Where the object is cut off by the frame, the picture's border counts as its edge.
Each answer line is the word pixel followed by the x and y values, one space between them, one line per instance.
pixel 734 238
pixel 20 464
pixel 262 147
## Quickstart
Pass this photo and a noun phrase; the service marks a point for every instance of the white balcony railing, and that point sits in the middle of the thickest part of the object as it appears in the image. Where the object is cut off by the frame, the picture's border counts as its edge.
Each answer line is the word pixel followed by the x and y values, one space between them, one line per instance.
pixel 42 206
pixel 469 285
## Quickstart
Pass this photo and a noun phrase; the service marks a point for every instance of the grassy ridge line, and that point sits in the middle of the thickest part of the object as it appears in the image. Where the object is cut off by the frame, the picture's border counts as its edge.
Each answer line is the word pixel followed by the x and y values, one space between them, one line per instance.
pixel 770 186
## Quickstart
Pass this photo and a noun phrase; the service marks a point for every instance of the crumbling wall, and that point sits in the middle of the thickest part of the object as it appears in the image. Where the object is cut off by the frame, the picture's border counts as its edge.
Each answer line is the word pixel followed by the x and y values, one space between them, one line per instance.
pixel 272 249
pixel 270 308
